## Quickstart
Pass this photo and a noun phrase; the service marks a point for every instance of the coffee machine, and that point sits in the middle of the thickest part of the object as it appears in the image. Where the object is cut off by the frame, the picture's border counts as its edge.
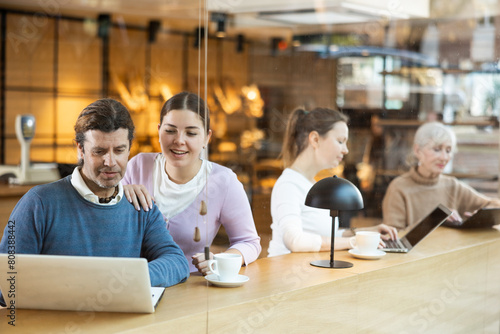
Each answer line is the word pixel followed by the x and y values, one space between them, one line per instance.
pixel 27 172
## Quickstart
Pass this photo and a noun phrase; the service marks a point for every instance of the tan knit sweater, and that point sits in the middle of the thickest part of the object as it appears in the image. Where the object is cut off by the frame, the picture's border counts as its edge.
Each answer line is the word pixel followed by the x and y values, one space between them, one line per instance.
pixel 410 197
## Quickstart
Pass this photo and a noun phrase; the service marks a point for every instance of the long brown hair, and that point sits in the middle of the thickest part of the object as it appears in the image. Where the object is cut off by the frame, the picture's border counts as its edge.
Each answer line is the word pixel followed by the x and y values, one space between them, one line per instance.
pixel 301 123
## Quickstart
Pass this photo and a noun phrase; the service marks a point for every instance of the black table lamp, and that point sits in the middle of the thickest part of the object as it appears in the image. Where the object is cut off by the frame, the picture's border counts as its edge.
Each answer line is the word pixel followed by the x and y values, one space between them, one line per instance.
pixel 334 193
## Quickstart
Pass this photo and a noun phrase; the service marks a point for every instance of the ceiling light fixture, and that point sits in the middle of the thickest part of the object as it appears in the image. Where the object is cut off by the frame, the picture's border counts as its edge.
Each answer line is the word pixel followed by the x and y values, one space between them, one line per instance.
pixel 153 28
pixel 199 34
pixel 220 19
pixel 373 11
pixel 240 43
pixel 104 24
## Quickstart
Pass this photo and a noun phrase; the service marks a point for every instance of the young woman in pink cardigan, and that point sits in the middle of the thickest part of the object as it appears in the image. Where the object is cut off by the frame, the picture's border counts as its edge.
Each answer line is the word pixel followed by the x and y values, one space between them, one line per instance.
pixel 179 180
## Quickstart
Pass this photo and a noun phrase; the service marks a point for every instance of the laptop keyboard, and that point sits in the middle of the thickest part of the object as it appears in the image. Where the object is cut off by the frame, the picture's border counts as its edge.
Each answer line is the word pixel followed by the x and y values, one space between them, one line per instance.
pixel 395 244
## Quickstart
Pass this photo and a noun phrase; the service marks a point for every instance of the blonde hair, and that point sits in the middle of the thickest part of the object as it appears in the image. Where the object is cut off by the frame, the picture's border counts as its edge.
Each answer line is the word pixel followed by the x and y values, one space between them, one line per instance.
pixel 436 133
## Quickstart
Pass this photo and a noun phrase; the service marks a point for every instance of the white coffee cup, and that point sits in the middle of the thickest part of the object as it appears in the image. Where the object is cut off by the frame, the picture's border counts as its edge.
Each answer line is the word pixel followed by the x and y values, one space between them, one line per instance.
pixel 367 241
pixel 226 266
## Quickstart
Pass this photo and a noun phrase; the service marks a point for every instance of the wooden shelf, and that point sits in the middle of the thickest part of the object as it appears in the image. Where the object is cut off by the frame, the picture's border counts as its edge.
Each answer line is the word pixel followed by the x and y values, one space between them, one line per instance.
pixel 417 123
pixel 395 173
pixel 406 72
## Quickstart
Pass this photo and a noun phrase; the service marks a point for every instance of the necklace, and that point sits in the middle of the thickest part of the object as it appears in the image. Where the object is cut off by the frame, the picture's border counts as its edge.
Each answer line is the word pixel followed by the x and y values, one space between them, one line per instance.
pixel 108 199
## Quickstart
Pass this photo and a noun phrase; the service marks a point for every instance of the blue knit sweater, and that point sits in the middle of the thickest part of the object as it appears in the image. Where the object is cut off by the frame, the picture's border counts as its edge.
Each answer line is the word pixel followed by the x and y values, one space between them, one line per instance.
pixel 54 219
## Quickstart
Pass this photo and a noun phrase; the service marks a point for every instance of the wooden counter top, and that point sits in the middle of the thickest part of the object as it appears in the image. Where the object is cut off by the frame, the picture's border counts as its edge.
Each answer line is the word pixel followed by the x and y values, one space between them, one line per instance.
pixel 10 194
pixel 448 283
pixel 11 190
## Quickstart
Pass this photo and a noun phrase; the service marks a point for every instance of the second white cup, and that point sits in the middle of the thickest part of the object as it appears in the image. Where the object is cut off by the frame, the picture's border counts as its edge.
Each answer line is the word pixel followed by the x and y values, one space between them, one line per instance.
pixel 226 266
pixel 367 241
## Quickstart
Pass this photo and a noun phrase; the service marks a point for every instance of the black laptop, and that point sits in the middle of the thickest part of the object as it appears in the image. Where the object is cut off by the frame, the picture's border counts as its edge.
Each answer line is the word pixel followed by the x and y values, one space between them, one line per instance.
pixel 419 231
pixel 483 218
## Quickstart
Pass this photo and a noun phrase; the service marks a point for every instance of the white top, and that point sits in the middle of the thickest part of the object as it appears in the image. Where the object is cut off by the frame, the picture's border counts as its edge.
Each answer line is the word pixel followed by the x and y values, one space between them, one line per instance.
pixel 79 184
pixel 296 227
pixel 172 198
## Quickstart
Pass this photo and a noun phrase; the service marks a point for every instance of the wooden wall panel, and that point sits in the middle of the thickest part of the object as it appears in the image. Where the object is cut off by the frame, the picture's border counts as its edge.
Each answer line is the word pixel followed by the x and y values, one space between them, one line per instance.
pixel 166 63
pixel 79 65
pixel 30 51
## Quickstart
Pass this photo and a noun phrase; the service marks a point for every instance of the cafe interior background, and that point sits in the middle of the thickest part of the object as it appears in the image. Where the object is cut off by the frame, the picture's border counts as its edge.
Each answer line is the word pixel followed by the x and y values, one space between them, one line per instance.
pixel 388 64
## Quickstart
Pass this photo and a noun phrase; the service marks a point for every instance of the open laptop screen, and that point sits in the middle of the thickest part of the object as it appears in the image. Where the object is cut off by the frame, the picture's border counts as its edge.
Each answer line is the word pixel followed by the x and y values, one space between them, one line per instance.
pixel 429 223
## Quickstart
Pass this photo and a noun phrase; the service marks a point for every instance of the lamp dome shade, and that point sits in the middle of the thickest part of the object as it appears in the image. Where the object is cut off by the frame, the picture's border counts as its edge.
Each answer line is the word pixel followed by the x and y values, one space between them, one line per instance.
pixel 334 193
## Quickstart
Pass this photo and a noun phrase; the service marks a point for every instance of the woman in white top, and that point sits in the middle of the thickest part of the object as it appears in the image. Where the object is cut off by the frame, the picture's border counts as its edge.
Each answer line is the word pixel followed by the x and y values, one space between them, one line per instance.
pixel 313 141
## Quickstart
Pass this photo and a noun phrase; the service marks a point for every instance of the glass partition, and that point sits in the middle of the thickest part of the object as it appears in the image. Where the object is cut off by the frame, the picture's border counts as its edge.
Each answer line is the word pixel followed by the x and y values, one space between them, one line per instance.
pixel 388 65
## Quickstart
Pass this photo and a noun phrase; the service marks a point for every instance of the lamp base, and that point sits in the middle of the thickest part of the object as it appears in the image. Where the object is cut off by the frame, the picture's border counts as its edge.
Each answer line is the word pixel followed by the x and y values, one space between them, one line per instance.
pixel 336 264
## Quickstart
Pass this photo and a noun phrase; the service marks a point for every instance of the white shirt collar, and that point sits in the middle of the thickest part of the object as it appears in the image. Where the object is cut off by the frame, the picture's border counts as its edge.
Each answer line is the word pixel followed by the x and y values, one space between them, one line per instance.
pixel 79 184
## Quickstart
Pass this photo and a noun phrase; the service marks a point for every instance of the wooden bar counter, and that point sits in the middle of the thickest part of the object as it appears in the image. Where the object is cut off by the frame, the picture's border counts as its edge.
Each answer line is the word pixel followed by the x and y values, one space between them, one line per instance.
pixel 9 196
pixel 449 283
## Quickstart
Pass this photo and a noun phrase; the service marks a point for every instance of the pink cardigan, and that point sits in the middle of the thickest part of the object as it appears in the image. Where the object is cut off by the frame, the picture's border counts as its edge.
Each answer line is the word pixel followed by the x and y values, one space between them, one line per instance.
pixel 227 204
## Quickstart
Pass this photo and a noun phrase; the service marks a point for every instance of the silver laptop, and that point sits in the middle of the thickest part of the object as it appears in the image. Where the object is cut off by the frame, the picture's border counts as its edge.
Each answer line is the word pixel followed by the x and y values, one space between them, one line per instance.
pixel 78 283
pixel 419 231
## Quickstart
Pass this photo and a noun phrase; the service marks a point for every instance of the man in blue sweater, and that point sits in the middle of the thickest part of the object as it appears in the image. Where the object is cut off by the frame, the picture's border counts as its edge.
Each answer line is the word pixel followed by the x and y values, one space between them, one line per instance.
pixel 87 214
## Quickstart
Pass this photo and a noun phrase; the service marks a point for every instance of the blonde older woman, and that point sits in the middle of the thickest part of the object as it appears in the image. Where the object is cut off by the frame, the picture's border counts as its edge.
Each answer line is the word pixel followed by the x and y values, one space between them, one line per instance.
pixel 411 196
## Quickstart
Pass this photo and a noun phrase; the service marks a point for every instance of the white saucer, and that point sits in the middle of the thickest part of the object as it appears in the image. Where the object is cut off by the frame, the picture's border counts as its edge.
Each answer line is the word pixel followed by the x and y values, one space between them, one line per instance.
pixel 238 282
pixel 372 256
